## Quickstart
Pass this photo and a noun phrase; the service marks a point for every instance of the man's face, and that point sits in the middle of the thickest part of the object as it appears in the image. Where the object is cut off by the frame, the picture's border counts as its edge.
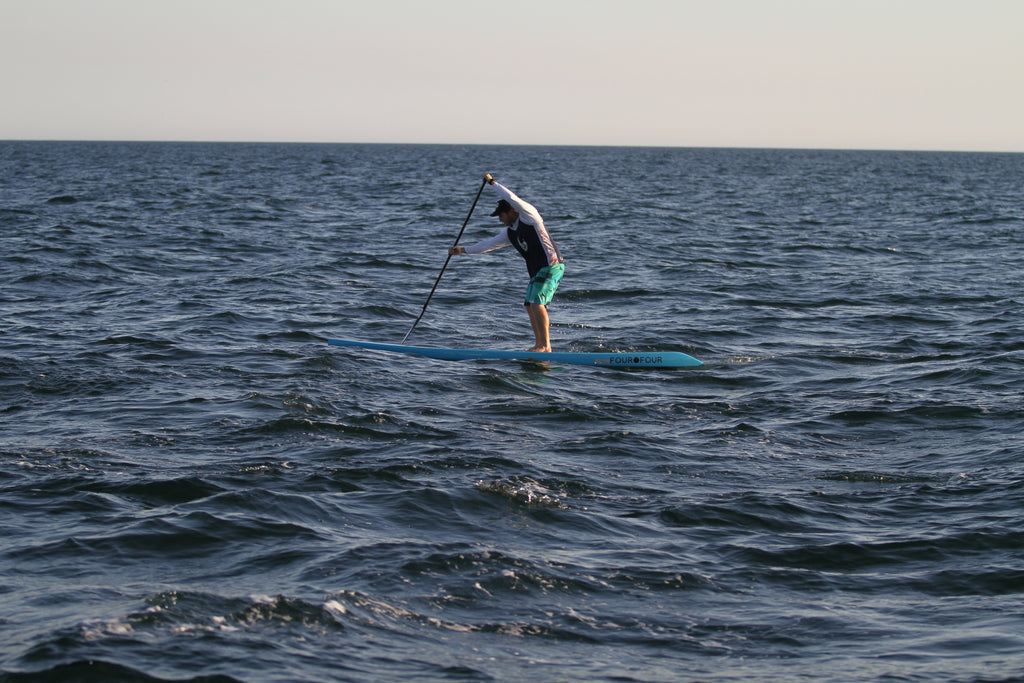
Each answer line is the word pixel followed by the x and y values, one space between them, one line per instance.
pixel 507 217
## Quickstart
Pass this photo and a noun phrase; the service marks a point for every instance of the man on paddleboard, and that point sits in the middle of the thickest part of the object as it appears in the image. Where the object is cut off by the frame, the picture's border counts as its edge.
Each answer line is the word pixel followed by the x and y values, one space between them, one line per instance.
pixel 524 230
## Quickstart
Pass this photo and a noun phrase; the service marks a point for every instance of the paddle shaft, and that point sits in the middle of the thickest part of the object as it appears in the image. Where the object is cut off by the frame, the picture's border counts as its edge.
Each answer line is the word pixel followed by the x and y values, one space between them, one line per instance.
pixel 438 281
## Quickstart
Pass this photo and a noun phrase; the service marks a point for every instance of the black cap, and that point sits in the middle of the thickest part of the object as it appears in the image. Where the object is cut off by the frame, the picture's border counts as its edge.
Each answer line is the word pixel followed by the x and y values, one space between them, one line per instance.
pixel 503 206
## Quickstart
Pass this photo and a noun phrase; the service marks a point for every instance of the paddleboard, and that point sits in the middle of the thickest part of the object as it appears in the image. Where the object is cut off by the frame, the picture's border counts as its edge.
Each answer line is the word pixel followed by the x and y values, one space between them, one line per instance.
pixel 609 359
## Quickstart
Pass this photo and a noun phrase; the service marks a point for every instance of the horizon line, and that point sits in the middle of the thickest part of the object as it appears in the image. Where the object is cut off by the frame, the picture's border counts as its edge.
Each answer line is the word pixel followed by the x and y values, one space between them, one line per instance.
pixel 506 144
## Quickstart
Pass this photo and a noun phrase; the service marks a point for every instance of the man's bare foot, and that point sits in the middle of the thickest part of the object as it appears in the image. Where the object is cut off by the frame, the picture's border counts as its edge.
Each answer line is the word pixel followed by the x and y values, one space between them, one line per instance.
pixel 540 349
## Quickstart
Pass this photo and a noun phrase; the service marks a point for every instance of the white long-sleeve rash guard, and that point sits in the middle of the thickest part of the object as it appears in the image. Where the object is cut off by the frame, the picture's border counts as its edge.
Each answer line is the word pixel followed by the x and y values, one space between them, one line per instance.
pixel 528 235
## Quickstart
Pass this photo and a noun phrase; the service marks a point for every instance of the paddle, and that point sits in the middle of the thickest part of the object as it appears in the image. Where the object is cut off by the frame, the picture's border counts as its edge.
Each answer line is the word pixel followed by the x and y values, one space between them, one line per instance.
pixel 436 282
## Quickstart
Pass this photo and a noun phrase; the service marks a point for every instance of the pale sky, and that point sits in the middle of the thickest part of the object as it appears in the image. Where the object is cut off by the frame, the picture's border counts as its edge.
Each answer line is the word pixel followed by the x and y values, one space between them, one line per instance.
pixel 852 74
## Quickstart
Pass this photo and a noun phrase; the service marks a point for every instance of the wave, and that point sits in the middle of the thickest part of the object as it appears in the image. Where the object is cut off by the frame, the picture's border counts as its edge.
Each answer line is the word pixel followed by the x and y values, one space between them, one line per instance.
pixel 89 670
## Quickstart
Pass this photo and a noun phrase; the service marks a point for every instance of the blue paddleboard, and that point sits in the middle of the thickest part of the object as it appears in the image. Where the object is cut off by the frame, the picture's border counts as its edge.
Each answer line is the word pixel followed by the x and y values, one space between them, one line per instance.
pixel 620 359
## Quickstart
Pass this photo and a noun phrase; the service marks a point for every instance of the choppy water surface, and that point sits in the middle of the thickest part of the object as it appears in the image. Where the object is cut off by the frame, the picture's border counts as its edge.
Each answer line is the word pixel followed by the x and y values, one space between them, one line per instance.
pixel 194 486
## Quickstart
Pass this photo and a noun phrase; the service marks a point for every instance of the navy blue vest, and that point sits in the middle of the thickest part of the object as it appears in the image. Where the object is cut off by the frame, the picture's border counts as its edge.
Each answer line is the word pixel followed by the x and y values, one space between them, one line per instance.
pixel 527 242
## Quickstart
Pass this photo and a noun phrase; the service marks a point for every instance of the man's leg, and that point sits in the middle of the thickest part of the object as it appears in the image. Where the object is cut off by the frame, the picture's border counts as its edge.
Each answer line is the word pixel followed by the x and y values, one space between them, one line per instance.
pixel 538 294
pixel 540 323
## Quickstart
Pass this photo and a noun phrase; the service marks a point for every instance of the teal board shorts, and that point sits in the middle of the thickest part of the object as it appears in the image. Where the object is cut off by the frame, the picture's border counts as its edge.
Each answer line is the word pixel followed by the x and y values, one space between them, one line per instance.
pixel 543 284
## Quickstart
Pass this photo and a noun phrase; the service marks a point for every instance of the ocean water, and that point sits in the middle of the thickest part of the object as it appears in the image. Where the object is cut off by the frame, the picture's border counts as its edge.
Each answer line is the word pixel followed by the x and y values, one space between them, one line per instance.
pixel 195 487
